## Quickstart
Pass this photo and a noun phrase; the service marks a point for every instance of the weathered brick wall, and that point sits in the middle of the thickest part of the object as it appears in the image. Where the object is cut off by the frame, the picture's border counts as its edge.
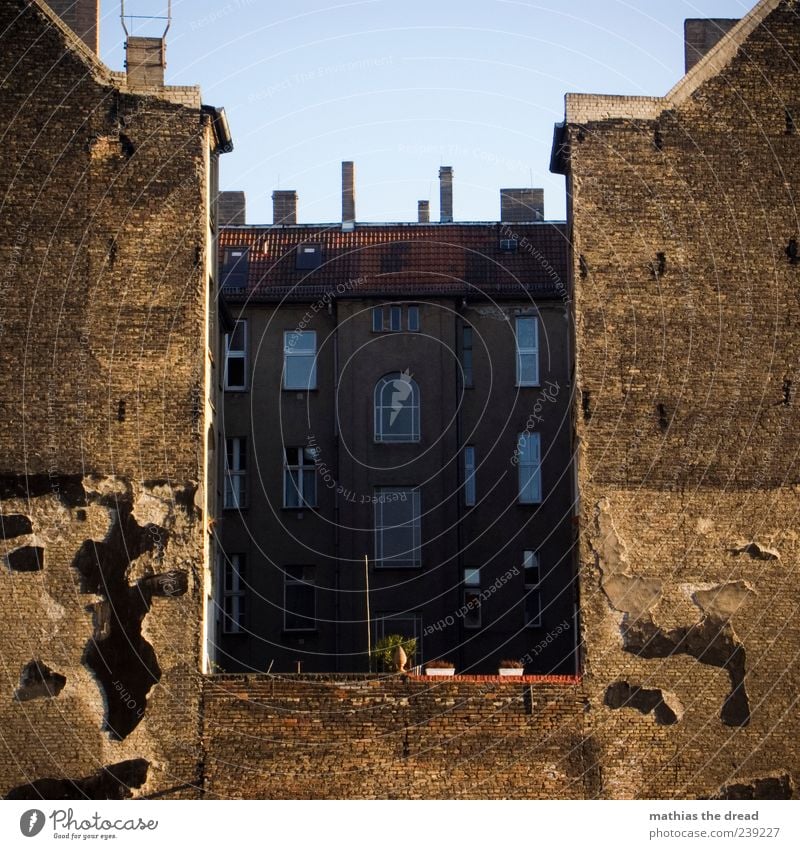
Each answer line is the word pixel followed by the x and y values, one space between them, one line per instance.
pixel 687 317
pixel 102 269
pixel 359 736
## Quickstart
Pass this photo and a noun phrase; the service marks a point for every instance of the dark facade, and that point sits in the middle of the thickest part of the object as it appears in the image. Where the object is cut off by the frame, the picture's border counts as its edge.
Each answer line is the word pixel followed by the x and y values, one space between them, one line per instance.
pixel 415 442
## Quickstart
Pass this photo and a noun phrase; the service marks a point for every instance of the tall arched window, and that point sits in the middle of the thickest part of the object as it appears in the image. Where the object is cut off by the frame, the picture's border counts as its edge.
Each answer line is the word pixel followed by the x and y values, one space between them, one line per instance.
pixel 397 408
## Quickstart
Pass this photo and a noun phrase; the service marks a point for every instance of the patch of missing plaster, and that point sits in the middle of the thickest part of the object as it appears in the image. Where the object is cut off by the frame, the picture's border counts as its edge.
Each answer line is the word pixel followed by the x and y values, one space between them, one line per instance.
pixel 123 662
pixel 111 782
pixel 755 550
pixel 30 558
pixel 665 707
pixel 38 681
pixel 14 525
pixel 770 787
pixel 711 641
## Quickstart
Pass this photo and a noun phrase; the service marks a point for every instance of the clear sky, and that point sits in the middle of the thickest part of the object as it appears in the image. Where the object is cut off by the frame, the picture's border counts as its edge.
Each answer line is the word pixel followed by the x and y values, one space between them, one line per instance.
pixel 404 86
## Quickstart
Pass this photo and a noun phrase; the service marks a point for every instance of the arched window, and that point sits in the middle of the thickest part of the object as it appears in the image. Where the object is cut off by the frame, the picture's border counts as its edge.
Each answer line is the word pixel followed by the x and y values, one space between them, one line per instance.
pixel 397 408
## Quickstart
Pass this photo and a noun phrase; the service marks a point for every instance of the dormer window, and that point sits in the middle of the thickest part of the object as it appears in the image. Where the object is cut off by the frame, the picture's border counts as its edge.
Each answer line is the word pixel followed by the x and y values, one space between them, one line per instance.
pixel 308 257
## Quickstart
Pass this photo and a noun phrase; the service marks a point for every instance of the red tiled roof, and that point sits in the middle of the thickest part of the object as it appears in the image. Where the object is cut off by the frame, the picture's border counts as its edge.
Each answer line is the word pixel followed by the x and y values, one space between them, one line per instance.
pixel 402 259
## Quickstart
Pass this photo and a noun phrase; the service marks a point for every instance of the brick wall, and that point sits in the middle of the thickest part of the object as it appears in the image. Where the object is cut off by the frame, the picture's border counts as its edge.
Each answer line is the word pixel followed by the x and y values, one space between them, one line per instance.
pixel 358 736
pixel 104 289
pixel 687 317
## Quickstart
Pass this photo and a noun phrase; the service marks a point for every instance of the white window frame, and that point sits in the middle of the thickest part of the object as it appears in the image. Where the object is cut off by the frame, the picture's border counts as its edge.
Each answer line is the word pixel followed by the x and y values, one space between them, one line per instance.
pixel 290 351
pixel 471 594
pixel 468 370
pixel 384 495
pixel 529 467
pixel 395 318
pixel 290 580
pixel 470 483
pixel 531 352
pixel 236 354
pixel 413 310
pixel 377 319
pixel 298 468
pixel 234 596
pixel 384 385
pixel 235 497
pixel 531 566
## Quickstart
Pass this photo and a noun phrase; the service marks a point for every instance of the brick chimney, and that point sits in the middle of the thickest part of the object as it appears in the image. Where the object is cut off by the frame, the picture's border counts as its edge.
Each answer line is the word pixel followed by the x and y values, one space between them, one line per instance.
pixel 284 206
pixel 231 208
pixel 145 60
pixel 522 204
pixel 82 17
pixel 445 193
pixel 423 211
pixel 348 193
pixel 701 34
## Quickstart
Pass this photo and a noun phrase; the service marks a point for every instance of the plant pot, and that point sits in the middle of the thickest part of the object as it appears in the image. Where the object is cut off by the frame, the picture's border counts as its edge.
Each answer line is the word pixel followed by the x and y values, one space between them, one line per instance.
pixel 510 671
pixel 440 672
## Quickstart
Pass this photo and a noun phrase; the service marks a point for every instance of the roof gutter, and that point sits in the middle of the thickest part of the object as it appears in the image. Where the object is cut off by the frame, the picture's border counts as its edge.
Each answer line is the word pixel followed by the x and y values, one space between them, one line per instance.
pixel 222 132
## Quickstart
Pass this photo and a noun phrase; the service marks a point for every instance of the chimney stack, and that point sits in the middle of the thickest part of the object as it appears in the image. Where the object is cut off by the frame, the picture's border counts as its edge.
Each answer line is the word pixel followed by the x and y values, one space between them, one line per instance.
pixel 423 211
pixel 445 194
pixel 701 34
pixel 82 17
pixel 348 193
pixel 230 208
pixel 284 207
pixel 145 60
pixel 522 205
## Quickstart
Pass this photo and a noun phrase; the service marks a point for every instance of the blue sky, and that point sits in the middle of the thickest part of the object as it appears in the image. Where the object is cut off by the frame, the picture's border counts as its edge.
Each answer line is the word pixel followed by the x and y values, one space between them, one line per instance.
pixel 404 86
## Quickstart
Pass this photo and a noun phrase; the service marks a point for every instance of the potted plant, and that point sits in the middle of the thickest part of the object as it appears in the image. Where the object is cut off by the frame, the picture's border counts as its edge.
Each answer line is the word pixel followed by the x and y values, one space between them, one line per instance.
pixel 511 667
pixel 383 655
pixel 440 667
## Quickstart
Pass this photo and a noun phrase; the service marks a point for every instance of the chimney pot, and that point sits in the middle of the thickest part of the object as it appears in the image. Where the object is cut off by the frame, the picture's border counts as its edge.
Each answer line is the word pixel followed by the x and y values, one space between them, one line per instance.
pixel 522 205
pixel 701 34
pixel 82 17
pixel 423 211
pixel 284 206
pixel 231 208
pixel 445 193
pixel 348 192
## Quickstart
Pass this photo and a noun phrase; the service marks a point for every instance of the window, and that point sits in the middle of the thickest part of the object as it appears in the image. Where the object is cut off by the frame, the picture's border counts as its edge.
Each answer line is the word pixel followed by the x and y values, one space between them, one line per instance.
pixel 299 477
pixel 466 354
pixel 407 625
pixel 300 359
pixel 397 527
pixel 308 257
pixel 397 408
pixel 235 266
pixel 299 599
pixel 469 475
pixel 527 336
pixel 234 599
pixel 377 319
pixel 508 245
pixel 412 319
pixel 472 598
pixel 533 598
pixel 236 358
pixel 395 318
pixel 530 468
pixel 391 318
pixel 235 473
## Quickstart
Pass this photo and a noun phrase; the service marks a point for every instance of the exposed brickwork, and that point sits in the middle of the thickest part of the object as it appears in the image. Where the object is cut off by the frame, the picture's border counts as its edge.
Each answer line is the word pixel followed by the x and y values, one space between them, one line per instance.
pixel 398 737
pixel 103 217
pixel 687 315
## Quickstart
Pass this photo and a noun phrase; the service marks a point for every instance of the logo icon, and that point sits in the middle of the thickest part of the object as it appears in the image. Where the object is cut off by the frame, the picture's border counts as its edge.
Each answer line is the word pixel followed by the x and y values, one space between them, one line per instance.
pixel 31 822
pixel 402 395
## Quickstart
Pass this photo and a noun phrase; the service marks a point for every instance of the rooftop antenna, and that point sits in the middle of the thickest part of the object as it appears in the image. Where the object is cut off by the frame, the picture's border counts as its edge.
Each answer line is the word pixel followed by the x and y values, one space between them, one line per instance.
pixel 132 18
